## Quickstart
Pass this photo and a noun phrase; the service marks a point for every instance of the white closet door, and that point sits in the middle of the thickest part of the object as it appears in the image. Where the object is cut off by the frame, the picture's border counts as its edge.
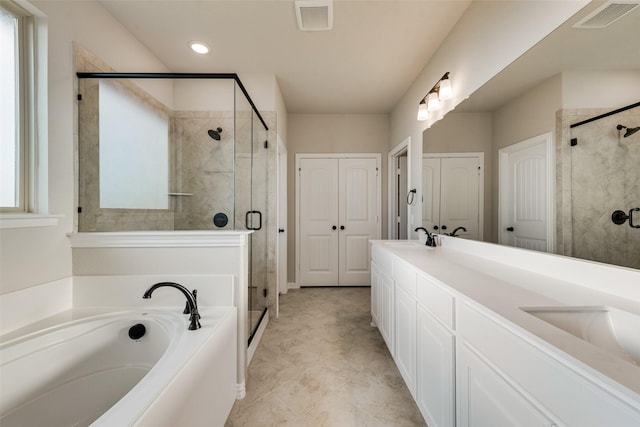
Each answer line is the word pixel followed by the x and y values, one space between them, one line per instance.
pixel 318 217
pixel 459 196
pixel 358 201
pixel 431 193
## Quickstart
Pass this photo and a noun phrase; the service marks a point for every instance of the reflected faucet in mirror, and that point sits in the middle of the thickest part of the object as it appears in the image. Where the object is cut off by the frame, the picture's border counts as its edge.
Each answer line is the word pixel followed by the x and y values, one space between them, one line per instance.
pixel 453 233
pixel 192 303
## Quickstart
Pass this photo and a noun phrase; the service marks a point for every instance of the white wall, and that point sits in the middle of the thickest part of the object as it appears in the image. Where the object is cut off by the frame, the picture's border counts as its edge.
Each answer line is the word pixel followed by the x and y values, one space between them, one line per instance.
pixel 488 37
pixel 333 133
pixel 600 89
pixel 32 256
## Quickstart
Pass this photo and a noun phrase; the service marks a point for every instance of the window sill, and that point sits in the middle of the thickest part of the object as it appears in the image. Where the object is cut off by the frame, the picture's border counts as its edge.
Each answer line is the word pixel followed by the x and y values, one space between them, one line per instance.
pixel 28 220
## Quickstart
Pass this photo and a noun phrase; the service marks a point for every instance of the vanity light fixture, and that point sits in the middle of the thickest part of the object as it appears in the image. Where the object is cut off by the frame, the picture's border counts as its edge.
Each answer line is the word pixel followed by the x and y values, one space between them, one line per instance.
pixel 423 113
pixel 441 91
pixel 199 47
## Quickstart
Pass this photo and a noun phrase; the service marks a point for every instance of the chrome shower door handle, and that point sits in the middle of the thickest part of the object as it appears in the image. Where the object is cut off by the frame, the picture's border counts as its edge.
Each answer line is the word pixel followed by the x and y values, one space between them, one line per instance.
pixel 631 224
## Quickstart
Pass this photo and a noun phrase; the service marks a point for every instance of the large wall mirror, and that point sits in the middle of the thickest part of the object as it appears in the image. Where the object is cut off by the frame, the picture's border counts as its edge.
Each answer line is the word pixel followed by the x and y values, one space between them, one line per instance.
pixel 521 121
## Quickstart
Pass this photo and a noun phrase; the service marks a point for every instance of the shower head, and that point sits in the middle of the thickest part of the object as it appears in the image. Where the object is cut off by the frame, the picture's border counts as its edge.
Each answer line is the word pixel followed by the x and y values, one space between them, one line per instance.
pixel 629 131
pixel 215 134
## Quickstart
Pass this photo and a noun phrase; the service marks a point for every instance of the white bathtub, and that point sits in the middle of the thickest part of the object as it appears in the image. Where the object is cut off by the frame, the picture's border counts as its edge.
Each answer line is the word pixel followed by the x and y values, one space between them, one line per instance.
pixel 90 372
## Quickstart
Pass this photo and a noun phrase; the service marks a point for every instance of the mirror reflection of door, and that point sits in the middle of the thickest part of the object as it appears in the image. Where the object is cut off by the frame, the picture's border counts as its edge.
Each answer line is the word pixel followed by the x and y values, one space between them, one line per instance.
pixel 525 204
pixel 401 202
pixel 452 185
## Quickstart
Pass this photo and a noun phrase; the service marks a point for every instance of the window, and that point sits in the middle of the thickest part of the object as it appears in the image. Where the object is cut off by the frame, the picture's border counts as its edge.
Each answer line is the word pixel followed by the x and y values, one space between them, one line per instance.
pixel 134 152
pixel 18 120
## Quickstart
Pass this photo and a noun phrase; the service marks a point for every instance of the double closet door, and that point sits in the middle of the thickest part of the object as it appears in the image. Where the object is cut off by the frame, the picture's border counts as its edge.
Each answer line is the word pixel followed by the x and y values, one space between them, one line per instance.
pixel 338 213
pixel 452 188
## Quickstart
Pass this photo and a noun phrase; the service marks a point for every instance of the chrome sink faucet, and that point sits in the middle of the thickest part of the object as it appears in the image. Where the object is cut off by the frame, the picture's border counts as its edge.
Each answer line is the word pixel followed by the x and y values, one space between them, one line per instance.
pixel 191 307
pixel 431 240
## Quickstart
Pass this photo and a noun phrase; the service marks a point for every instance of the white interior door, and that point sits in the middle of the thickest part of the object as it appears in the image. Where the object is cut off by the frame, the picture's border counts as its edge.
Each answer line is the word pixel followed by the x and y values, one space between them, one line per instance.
pixel 401 198
pixel 318 222
pixel 525 194
pixel 358 207
pixel 282 281
pixel 431 193
pixel 460 196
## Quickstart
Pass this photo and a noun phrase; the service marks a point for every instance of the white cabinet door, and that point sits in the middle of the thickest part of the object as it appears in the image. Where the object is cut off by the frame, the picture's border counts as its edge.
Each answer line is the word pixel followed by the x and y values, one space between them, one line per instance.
pixel 485 398
pixel 435 371
pixel 338 215
pixel 386 310
pixel 451 189
pixel 318 221
pixel 375 294
pixel 405 336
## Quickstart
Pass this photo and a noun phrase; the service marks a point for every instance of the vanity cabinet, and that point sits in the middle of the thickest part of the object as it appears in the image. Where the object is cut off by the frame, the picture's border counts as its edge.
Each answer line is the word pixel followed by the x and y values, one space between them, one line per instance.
pixel 466 365
pixel 485 398
pixel 435 370
pixel 405 322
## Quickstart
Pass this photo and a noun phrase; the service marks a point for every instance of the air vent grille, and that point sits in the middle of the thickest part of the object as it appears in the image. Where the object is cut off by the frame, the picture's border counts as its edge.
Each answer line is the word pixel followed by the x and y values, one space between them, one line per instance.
pixel 607 14
pixel 314 15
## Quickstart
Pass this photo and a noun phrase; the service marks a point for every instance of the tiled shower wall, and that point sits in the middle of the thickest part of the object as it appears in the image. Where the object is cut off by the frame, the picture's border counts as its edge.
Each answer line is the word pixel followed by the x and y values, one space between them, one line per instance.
pixel 597 176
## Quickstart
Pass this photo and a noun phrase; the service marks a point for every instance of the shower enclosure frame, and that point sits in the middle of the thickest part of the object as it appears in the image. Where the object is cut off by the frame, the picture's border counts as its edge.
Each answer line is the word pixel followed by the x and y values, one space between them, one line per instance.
pixel 253 324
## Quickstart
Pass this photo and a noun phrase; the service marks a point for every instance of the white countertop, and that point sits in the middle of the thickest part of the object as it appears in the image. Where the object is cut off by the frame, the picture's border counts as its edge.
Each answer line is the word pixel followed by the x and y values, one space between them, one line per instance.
pixel 504 279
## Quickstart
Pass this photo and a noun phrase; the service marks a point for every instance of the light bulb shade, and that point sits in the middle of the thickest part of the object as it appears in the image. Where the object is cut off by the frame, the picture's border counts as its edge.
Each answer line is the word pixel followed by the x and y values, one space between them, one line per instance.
pixel 423 113
pixel 445 91
pixel 433 103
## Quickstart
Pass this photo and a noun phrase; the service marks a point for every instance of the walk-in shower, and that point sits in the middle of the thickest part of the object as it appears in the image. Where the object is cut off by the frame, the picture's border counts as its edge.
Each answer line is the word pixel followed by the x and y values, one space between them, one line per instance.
pixel 603 177
pixel 146 160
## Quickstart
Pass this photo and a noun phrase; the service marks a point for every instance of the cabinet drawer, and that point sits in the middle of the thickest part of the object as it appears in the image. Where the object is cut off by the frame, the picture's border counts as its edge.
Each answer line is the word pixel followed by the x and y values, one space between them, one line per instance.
pixel 438 301
pixel 568 393
pixel 405 276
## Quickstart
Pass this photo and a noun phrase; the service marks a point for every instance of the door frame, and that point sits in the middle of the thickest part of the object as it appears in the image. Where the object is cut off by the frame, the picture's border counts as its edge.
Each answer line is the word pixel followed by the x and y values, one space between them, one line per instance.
pixel 503 186
pixel 281 209
pixel 480 156
pixel 299 157
pixel 392 193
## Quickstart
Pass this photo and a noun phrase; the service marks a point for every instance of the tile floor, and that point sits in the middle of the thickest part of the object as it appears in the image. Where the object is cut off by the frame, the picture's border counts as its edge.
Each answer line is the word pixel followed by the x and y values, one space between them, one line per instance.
pixel 322 364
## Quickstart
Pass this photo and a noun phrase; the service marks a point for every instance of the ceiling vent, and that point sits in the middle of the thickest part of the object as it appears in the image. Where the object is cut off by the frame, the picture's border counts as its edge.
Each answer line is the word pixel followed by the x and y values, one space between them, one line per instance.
pixel 607 14
pixel 314 15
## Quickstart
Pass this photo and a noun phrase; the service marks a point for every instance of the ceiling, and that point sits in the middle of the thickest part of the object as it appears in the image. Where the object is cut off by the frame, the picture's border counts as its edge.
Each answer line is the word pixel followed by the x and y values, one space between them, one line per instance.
pixel 364 65
pixel 615 47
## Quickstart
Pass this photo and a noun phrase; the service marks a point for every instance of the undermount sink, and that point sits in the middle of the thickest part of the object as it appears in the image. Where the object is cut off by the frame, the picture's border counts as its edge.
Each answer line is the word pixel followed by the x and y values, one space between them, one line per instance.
pixel 612 330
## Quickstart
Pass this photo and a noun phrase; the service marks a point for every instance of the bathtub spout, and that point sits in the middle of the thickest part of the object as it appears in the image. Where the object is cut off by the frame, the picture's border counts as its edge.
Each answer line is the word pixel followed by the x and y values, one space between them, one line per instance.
pixel 192 302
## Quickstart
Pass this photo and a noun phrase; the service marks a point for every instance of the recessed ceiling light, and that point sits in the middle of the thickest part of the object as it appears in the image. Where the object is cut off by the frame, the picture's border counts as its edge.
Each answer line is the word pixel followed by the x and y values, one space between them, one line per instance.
pixel 199 47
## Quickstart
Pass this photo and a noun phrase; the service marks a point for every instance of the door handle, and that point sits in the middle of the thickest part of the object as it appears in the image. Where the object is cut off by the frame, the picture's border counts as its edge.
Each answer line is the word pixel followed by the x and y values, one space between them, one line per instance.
pixel 631 211
pixel 334 228
pixel 435 227
pixel 444 227
pixel 246 220
pixel 342 227
pixel 280 230
pixel 509 228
